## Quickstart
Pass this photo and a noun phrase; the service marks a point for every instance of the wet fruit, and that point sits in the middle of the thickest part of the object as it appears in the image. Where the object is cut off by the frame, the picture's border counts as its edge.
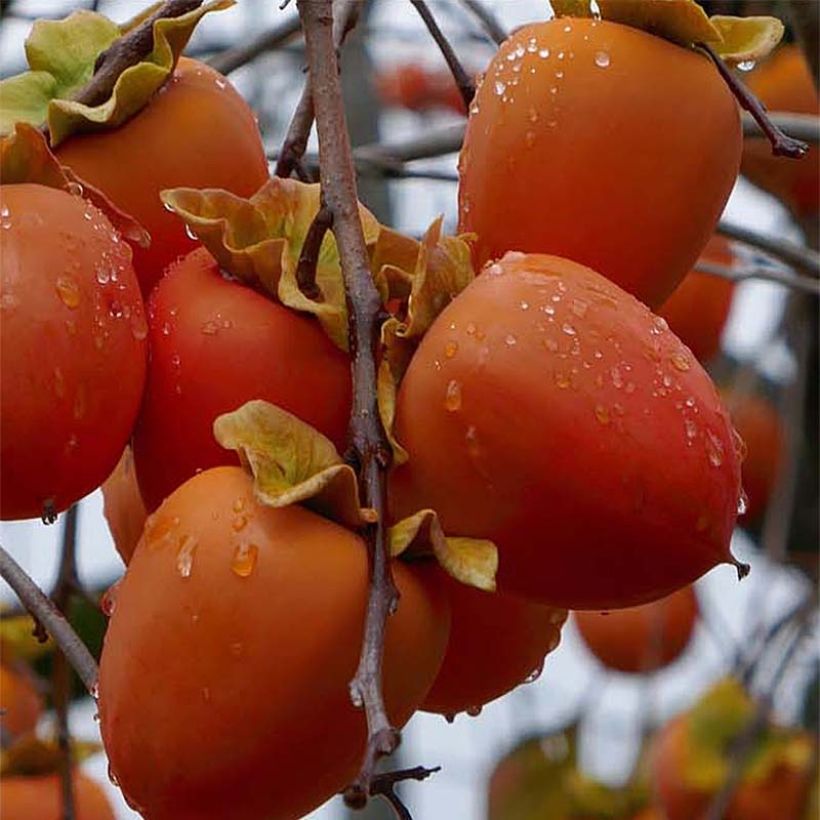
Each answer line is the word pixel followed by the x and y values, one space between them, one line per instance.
pixel 39 797
pixel 20 702
pixel 123 506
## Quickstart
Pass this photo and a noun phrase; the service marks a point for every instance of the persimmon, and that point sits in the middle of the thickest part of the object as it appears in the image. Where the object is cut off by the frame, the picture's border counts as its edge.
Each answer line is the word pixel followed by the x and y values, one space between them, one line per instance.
pixel 216 344
pixel 243 622
pixel 761 428
pixel 699 307
pixel 196 131
pixel 39 797
pixel 496 642
pixel 123 507
pixel 413 87
pixel 20 702
pixel 635 201
pixel 784 83
pixel 643 638
pixel 549 411
pixel 72 349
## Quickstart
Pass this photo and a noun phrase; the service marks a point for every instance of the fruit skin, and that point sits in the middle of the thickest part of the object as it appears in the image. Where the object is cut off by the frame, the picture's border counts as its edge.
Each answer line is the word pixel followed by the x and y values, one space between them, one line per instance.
pixel 784 83
pixel 550 412
pixel 781 794
pixel 699 307
pixel 496 642
pixel 196 132
pixel 39 797
pixel 644 638
pixel 759 425
pixel 263 660
pixel 72 349
pixel 633 201
pixel 123 507
pixel 216 344
pixel 20 701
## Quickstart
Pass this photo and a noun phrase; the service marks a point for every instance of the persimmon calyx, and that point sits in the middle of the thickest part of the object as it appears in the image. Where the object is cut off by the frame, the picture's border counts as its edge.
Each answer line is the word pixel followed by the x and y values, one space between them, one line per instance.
pixel 62 54
pixel 736 40
pixel 473 561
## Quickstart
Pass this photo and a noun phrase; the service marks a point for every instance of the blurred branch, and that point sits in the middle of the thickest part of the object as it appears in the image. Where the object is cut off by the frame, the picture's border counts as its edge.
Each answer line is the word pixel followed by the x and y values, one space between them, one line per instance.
pixel 805 20
pixel 487 19
pixel 797 256
pixel 40 606
pixel 766 274
pixel 233 58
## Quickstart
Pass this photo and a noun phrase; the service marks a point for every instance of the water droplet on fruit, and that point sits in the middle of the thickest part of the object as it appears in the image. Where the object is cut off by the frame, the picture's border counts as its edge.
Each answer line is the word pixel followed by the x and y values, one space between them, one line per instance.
pixel 244 559
pixel 109 599
pixel 680 362
pixel 562 380
pixel 742 502
pixel 68 290
pixel 471 329
pixel 617 379
pixel 746 65
pixel 510 340
pixel 185 556
pixel 452 398
pixel 239 523
pixel 714 449
pixel 116 310
pixel 473 711
pixel 560 55
pixel 601 59
pixel 568 329
pixel 559 75
pixel 500 87
pixel 450 349
pixel 739 444
pixel 356 696
pixel 535 674
pixel 594 9
pixel 543 53
pixel 691 430
pixel 113 777
pixel 602 414
pixel 239 505
pixel 166 329
pixel 529 138
pixel 94 691
pixel 139 327
pixel 189 232
pixel 210 328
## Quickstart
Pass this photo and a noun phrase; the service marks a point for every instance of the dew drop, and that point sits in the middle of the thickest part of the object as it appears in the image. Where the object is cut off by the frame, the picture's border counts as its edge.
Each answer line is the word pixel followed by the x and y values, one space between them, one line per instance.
pixel 543 53
pixel 244 559
pixel 500 87
pixel 529 138
pixel 601 59
pixel 450 349
pixel 680 362
pixel 471 329
pixel 356 696
pixel 452 398
pixel 94 691
pixel 510 340
pixel 239 523
pixel 580 308
pixel 561 379
pixel 450 717
pixel 535 674
pixel 742 502
pixel 109 599
pixel 746 65
pixel 166 329
pixel 691 430
pixel 116 310
pixel 714 449
pixel 68 290
pixel 210 328
pixel 113 777
pixel 473 711
pixel 239 505
pixel 185 556
pixel 602 414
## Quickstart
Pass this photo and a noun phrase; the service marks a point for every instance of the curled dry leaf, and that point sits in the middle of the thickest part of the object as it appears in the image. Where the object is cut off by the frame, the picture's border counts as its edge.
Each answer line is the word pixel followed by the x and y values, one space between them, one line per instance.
pixel 747 39
pixel 61 55
pixel 17 640
pixel 292 462
pixel 473 561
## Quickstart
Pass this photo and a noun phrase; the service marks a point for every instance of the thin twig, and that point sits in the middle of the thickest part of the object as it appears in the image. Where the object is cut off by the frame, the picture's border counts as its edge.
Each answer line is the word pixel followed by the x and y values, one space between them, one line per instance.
pixel 309 255
pixel 782 144
pixel 760 273
pixel 488 20
pixel 465 84
pixel 384 785
pixel 227 61
pixel 127 51
pixel 40 606
pixel 368 443
pixel 345 16
pixel 794 255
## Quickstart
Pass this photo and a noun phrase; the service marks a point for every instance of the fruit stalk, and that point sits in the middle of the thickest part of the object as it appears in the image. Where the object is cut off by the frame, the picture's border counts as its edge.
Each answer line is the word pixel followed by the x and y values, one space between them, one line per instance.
pixel 309 255
pixel 369 448
pixel 293 148
pixel 383 785
pixel 465 85
pixel 43 610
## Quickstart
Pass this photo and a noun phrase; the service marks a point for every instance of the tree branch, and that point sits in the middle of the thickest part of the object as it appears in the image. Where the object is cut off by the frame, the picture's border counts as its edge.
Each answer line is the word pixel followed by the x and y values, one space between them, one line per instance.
pixel 487 19
pixel 309 255
pixel 296 139
pixel 760 273
pixel 465 85
pixel 368 443
pixel 233 58
pixel 794 255
pixel 40 606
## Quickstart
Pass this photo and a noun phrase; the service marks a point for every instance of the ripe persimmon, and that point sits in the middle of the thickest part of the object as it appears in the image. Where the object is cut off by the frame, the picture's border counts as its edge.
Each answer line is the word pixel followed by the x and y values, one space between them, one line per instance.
pixel 549 411
pixel 40 797
pixel 216 344
pixel 699 307
pixel 784 83
pixel 196 132
pixel 20 702
pixel 564 154
pixel 123 507
pixel 243 622
pixel 496 642
pixel 72 349
pixel 643 638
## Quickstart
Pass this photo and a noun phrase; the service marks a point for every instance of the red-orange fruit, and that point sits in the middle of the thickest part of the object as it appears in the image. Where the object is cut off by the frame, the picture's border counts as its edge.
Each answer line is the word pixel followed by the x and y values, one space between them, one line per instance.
pixel 20 702
pixel 72 349
pixel 123 507
pixel 216 344
pixel 39 797
pixel 235 633
pixel 699 307
pixel 195 132
pixel 643 638
pixel 784 83
pixel 581 144
pixel 496 642
pixel 549 411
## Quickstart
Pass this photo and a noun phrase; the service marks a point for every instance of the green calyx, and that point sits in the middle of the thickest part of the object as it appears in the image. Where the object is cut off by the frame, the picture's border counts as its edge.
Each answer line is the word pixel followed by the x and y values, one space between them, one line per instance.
pixel 62 54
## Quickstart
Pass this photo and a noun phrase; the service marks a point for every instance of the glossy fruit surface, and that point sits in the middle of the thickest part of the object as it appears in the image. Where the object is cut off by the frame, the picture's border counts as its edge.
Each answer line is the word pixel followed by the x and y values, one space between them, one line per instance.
pixel 550 412
pixel 784 83
pixel 496 643
pixel 39 797
pixel 20 702
pixel 123 506
pixel 196 132
pixel 72 349
pixel 536 177
pixel 216 344
pixel 242 622
pixel 643 638
pixel 698 309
